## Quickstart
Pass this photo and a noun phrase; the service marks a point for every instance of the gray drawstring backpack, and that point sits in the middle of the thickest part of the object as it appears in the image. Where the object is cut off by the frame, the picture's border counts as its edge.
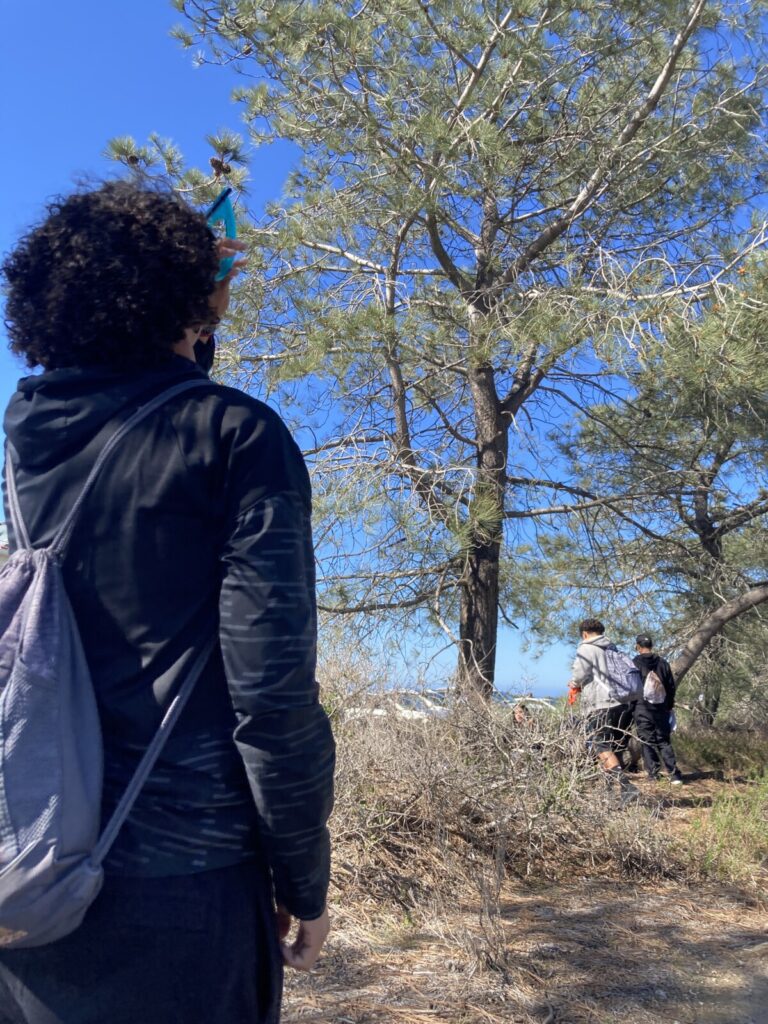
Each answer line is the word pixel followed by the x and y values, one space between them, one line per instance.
pixel 51 852
pixel 625 684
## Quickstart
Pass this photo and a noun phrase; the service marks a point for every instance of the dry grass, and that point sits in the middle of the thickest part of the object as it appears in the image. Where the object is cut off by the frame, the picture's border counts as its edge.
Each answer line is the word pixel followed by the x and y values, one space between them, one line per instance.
pixel 587 952
pixel 431 808
pixel 483 875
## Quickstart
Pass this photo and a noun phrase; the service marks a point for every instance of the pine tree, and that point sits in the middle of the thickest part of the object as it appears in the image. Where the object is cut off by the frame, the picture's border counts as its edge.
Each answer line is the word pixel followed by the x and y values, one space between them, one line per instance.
pixel 679 543
pixel 491 202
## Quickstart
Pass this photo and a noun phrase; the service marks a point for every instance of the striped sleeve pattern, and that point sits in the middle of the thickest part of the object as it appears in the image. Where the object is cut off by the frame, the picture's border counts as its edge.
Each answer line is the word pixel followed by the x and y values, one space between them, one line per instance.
pixel 268 640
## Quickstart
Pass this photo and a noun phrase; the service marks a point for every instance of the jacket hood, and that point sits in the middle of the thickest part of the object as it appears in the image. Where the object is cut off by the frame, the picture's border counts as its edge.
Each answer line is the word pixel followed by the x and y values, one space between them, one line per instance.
pixel 53 415
pixel 649 661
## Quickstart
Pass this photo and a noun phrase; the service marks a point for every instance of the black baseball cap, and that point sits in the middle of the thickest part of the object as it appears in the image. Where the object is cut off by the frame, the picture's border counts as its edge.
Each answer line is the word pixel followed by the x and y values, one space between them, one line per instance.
pixel 643 640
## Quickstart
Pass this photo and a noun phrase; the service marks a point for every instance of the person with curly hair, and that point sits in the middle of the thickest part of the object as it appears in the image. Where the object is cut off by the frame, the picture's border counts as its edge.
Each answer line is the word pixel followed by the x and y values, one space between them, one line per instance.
pixel 199 525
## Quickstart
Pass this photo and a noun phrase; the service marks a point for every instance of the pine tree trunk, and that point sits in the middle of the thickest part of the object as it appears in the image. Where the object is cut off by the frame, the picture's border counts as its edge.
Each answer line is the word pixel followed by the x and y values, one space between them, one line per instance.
pixel 479 621
pixel 708 632
pixel 711 702
pixel 480 583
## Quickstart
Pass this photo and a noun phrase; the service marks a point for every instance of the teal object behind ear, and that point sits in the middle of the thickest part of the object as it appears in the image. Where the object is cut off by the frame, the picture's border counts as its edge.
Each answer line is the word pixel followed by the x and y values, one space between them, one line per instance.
pixel 222 211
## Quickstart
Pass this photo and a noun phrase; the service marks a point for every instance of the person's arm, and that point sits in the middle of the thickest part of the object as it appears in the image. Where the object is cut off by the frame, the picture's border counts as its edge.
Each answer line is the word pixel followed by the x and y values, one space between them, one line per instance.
pixel 670 685
pixel 581 672
pixel 268 641
pixel 302 952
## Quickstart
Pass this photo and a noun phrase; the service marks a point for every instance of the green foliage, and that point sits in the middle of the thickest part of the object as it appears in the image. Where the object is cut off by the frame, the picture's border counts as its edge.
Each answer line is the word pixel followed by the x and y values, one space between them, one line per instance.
pixel 740 750
pixel 680 444
pixel 731 842
pixel 160 158
pixel 496 217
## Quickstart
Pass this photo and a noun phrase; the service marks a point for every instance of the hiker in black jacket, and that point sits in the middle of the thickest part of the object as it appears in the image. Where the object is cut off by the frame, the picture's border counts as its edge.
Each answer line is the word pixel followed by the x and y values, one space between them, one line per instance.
pixel 198 525
pixel 652 720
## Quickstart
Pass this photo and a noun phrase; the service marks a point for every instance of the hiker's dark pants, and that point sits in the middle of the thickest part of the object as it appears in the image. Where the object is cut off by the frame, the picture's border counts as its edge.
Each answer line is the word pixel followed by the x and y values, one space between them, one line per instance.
pixel 653 731
pixel 625 730
pixel 192 949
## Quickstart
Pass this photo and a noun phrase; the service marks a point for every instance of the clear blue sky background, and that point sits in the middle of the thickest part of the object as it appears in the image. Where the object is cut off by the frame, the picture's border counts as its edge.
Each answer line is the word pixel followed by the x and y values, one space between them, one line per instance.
pixel 72 76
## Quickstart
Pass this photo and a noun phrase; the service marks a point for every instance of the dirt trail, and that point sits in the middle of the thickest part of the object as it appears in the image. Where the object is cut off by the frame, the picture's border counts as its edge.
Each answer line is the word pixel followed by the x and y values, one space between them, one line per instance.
pixel 593 951
pixel 588 953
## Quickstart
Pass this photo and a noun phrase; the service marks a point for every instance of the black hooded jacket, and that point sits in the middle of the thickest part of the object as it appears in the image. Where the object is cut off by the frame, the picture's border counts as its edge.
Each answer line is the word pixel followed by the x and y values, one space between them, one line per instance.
pixel 649 662
pixel 200 521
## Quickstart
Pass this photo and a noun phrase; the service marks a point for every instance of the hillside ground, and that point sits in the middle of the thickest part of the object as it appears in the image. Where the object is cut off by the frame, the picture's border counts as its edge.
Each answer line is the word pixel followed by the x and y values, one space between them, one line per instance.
pixel 584 949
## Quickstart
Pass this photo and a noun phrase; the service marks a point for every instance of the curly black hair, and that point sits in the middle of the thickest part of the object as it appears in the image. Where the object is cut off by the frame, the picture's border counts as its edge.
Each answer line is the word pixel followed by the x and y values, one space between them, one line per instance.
pixel 112 276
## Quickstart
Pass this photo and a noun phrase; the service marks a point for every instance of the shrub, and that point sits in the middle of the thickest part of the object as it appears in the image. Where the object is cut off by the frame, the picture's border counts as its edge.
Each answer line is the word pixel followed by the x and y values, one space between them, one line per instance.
pixel 731 841
pixel 428 808
pixel 724 749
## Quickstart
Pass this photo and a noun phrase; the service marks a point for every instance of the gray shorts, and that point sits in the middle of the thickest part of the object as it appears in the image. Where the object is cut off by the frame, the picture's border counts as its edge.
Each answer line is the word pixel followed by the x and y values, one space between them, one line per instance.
pixel 608 729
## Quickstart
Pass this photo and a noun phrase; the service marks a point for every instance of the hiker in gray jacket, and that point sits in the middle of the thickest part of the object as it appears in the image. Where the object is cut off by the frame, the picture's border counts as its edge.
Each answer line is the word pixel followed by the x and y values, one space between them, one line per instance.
pixel 606 720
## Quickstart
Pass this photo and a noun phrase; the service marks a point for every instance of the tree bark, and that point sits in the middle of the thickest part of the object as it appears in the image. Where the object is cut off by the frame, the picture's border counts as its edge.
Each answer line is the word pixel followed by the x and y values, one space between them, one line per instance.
pixel 712 687
pixel 711 540
pixel 479 594
pixel 711 625
pixel 478 626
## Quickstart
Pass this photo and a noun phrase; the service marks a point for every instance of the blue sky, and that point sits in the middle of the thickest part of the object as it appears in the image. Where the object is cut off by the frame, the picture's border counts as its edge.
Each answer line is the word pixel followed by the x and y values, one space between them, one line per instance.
pixel 75 75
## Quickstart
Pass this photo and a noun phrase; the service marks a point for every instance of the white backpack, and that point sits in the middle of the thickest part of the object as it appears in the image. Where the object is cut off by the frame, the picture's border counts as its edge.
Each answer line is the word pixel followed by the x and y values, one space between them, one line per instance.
pixel 654 691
